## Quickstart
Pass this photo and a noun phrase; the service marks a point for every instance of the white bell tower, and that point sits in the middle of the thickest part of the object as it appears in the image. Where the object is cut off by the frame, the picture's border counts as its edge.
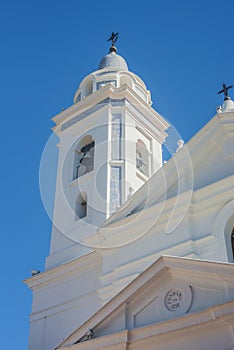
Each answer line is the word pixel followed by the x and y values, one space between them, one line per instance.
pixel 110 144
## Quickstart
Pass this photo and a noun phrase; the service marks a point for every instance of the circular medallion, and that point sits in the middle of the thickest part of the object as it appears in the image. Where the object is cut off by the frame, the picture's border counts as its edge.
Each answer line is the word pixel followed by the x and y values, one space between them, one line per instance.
pixel 174 299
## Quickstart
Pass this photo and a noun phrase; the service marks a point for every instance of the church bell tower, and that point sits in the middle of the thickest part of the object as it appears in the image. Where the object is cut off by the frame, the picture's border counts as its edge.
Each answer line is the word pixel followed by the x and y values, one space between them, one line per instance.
pixel 110 144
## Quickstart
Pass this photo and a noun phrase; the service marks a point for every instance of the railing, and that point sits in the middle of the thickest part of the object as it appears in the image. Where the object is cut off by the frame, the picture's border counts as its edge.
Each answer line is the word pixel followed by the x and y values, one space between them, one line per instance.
pixel 142 167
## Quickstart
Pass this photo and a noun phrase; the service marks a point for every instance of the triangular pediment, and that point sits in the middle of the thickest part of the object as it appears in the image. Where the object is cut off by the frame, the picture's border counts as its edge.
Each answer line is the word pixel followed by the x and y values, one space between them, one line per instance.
pixel 172 287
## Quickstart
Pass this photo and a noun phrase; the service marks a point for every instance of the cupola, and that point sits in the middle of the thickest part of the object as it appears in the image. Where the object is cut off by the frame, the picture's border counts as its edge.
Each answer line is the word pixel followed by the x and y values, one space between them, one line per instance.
pixel 113 61
pixel 112 69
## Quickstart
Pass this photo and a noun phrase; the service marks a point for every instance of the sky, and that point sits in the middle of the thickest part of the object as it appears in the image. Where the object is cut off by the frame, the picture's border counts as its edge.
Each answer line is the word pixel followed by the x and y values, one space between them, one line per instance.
pixel 184 52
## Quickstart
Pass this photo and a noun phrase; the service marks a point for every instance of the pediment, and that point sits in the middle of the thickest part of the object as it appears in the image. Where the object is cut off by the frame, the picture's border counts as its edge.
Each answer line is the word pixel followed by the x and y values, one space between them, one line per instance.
pixel 168 289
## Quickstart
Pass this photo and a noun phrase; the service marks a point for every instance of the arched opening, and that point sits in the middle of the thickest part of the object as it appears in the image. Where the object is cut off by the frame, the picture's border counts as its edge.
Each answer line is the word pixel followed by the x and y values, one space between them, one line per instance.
pixel 87 87
pixel 125 80
pixel 142 157
pixel 81 206
pixel 83 157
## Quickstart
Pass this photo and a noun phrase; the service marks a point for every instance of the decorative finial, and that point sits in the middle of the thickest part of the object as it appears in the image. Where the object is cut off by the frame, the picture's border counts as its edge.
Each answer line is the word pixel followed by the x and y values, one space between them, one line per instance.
pixel 225 91
pixel 113 38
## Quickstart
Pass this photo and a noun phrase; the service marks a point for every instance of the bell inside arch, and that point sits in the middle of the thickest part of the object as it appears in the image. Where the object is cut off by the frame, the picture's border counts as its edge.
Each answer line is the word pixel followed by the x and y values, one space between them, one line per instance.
pixel 86 160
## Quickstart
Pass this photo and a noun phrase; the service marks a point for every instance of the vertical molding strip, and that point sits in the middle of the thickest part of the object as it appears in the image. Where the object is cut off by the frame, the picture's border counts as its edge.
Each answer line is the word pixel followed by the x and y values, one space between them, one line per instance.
pixel 115 183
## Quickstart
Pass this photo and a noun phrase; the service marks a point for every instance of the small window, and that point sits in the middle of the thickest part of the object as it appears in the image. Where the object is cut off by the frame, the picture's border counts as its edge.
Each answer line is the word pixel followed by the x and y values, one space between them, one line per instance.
pixel 142 158
pixel 81 206
pixel 100 84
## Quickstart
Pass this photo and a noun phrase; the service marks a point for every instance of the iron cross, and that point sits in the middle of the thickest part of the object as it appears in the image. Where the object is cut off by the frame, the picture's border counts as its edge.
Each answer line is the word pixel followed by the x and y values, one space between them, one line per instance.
pixel 113 38
pixel 225 90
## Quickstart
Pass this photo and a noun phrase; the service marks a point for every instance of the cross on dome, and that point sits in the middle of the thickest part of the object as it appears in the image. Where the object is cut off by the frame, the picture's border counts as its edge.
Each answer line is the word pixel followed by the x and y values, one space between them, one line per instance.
pixel 225 91
pixel 112 59
pixel 228 104
pixel 113 38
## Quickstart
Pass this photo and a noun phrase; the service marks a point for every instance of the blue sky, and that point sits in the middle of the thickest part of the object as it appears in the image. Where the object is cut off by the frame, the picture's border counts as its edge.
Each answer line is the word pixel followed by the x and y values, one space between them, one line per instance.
pixel 183 50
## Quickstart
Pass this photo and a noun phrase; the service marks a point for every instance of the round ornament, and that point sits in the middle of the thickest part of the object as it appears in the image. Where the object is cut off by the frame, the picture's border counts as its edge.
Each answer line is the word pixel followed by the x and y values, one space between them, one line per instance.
pixel 174 299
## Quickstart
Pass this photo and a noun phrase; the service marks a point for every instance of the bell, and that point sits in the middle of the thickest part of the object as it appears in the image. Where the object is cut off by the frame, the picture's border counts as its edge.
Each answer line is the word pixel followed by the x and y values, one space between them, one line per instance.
pixel 86 160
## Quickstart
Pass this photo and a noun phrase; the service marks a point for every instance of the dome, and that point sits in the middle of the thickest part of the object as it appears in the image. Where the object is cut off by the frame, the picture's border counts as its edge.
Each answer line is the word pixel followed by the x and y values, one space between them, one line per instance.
pixel 113 60
pixel 113 71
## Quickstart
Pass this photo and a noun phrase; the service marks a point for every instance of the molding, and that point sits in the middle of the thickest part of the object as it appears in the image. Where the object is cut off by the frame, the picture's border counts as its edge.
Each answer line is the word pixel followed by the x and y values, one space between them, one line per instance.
pixel 103 96
pixel 134 268
pixel 212 317
pixel 118 341
pixel 71 304
pixel 63 270
pixel 118 162
pixel 141 176
pixel 202 319
pixel 136 115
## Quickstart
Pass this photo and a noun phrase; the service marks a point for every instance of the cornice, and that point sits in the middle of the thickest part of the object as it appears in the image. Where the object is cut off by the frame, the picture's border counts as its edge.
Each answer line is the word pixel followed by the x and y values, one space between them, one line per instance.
pixel 63 270
pixel 83 299
pixel 135 267
pixel 102 96
pixel 117 340
pixel 202 319
pixel 160 136
pixel 214 316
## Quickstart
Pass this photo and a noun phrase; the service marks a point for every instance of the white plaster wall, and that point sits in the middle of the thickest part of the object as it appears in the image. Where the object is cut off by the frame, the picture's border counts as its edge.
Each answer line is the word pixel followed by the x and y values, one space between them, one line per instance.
pixel 68 189
pixel 61 302
pixel 97 182
pixel 201 235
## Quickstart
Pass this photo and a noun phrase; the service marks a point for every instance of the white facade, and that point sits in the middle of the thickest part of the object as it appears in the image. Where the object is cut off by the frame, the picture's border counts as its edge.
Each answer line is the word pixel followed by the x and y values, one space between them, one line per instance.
pixel 176 303
pixel 117 211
